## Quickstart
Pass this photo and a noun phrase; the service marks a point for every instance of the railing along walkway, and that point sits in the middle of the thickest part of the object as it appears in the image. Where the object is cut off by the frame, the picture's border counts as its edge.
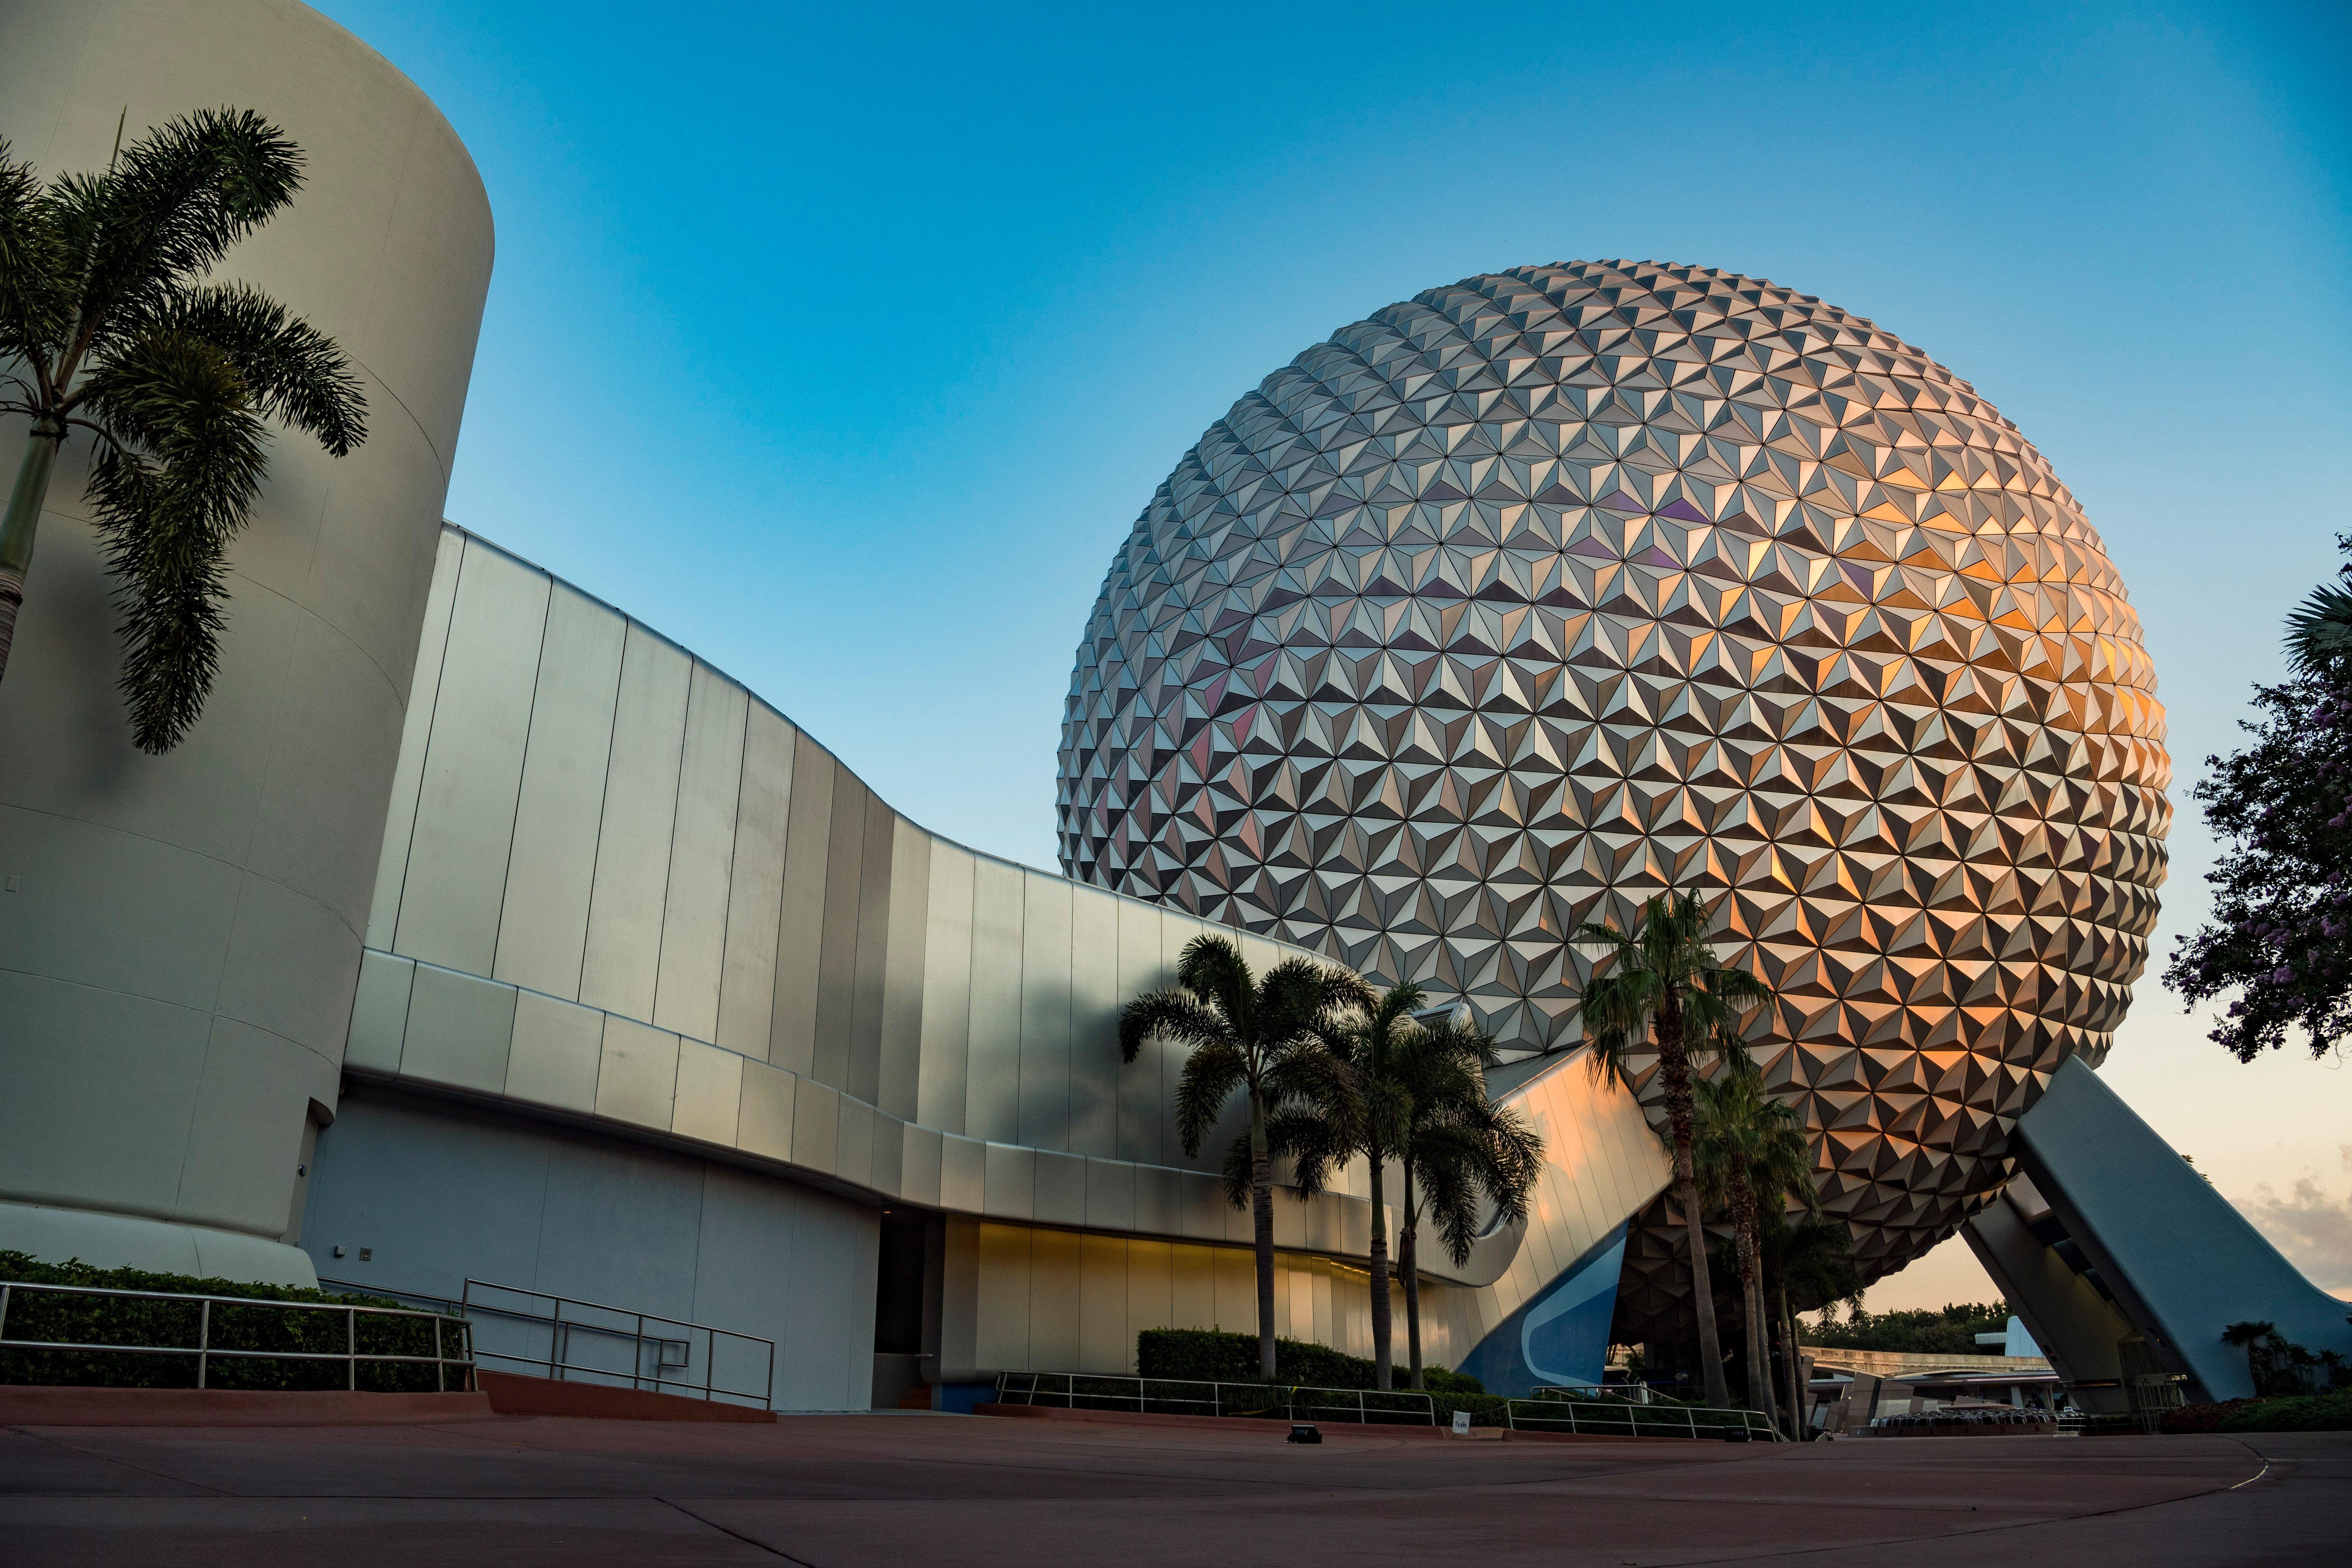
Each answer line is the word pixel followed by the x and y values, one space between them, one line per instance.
pixel 659 1362
pixel 1190 1397
pixel 1552 1410
pixel 17 1294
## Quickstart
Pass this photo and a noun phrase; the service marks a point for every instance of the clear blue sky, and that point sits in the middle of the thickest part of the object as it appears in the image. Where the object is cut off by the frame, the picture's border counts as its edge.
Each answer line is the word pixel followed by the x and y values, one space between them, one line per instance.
pixel 844 344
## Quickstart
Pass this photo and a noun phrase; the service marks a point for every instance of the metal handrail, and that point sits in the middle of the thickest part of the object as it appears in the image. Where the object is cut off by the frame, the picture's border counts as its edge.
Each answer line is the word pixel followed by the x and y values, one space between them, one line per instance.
pixel 1246 1399
pixel 206 1353
pixel 559 1363
pixel 1604 1418
pixel 1604 1393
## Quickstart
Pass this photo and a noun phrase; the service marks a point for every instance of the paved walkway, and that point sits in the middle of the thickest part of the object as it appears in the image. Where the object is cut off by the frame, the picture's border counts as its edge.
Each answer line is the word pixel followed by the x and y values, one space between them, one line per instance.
pixel 934 1491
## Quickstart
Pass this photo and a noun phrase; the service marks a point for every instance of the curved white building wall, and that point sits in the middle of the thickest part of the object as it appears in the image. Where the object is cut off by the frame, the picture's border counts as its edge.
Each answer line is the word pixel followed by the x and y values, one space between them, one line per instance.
pixel 181 934
pixel 620 890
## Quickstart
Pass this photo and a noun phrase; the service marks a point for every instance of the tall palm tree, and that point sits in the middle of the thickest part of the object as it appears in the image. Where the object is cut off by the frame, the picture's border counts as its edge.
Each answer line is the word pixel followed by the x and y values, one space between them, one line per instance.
pixel 1750 1156
pixel 1665 990
pixel 107 329
pixel 1372 1042
pixel 1462 1161
pixel 1810 1264
pixel 1264 1038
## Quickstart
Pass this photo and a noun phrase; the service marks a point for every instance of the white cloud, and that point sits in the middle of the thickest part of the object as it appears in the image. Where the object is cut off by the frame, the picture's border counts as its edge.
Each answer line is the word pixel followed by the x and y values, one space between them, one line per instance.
pixel 2313 1228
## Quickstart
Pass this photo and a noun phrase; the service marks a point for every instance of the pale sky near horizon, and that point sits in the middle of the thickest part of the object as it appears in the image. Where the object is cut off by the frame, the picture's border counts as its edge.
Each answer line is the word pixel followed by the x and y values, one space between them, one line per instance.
pixel 844 344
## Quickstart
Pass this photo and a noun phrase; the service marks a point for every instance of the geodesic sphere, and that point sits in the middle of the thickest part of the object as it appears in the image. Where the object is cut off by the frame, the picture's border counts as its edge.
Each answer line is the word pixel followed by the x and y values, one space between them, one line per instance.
pixel 1559 587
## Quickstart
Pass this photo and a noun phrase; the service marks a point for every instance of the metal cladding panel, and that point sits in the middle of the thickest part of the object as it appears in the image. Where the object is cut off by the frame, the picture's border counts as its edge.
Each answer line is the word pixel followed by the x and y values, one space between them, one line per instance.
pixel 1151 1288
pixel 941 1086
pixel 701 857
pixel 1192 1290
pixel 710 1094
pixel 380 1011
pixel 836 978
pixel 816 1126
pixel 872 967
pixel 408 773
pixel 1111 1195
pixel 1143 1112
pixel 625 910
pixel 918 1173
pixel 747 986
pixel 1060 1190
pixel 473 765
pixel 800 921
pixel 1011 1182
pixel 1158 1200
pixel 1175 930
pixel 557 1051
pixel 1104 1343
pixel 992 1077
pixel 889 1156
pixel 963 1174
pixel 764 1125
pixel 902 976
pixel 1054 1335
pixel 1044 1012
pixel 460 1031
pixel 544 933
pixel 1095 1002
pixel 853 1159
pixel 1001 1334
pixel 638 1078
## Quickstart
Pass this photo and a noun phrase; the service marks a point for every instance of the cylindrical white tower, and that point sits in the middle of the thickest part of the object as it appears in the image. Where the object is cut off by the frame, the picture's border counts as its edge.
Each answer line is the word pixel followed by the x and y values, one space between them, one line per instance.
pixel 180 936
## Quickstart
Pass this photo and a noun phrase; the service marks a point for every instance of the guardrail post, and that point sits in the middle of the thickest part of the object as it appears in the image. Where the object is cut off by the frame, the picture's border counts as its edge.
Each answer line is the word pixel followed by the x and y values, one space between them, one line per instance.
pixel 440 1366
pixel 203 1341
pixel 351 1348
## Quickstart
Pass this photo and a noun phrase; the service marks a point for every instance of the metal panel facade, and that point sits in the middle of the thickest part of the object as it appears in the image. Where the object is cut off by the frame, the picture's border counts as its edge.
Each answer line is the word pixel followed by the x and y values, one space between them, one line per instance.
pixel 625 910
pixel 544 930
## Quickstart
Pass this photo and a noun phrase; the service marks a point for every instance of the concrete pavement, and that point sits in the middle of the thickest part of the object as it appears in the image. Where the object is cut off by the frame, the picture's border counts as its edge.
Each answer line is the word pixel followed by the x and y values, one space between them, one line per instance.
pixel 938 1491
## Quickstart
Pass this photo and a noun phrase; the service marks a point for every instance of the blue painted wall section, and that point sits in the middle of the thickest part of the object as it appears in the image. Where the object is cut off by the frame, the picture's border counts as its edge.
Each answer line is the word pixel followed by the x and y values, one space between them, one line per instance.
pixel 1561 1335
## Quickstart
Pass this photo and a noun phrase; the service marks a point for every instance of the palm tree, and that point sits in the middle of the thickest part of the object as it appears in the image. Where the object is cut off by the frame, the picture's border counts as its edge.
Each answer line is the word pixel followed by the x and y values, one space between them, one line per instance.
pixel 1265 1037
pixel 1372 1042
pixel 1810 1263
pixel 107 328
pixel 2319 630
pixel 1462 1160
pixel 1667 988
pixel 1750 1157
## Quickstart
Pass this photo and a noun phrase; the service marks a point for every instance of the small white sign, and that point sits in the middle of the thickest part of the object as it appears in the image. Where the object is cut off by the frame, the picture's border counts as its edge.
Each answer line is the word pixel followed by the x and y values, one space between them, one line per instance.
pixel 1461 1423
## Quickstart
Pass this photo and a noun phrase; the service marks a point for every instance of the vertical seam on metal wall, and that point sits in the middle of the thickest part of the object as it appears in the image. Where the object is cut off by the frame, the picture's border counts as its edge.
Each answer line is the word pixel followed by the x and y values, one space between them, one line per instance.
pixel 522 770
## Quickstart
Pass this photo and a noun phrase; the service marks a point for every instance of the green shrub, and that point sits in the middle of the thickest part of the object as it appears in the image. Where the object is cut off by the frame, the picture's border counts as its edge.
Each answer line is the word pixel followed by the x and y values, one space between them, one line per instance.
pixel 2298 1412
pixel 1204 1355
pixel 117 1321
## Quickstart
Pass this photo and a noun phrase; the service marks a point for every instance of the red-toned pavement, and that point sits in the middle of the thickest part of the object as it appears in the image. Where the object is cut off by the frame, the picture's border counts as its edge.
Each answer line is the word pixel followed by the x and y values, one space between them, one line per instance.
pixel 931 1491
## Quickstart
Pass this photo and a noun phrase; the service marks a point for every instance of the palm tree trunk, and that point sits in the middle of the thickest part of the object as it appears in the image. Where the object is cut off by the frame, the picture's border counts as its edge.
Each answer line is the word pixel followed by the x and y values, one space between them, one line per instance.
pixel 23 518
pixel 1383 1366
pixel 1796 1387
pixel 1751 1298
pixel 1262 1217
pixel 1673 1064
pixel 1408 1263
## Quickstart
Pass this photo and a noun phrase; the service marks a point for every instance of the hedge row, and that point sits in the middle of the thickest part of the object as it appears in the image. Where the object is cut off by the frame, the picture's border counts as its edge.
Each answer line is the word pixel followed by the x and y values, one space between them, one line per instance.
pixel 2293 1412
pixel 1203 1355
pixel 117 1321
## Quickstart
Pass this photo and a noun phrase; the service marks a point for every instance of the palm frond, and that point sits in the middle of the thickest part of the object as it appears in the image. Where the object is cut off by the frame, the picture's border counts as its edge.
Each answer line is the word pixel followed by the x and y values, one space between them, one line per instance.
pixel 167 514
pixel 1212 967
pixel 175 201
pixel 2319 630
pixel 1175 1016
pixel 293 371
pixel 1211 1073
